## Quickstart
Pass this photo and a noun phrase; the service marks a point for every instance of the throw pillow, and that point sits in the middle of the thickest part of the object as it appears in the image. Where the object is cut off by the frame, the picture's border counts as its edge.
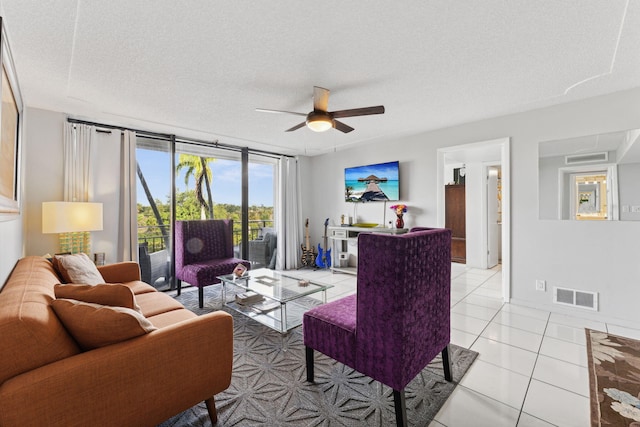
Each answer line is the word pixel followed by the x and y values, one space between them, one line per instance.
pixel 114 294
pixel 95 325
pixel 77 268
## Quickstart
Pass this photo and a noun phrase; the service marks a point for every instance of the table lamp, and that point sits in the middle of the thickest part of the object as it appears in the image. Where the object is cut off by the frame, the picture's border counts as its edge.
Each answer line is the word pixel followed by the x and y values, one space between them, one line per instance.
pixel 74 218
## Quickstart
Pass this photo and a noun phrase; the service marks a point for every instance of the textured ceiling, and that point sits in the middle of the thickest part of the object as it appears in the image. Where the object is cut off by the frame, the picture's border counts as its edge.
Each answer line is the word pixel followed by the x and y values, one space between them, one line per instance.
pixel 200 68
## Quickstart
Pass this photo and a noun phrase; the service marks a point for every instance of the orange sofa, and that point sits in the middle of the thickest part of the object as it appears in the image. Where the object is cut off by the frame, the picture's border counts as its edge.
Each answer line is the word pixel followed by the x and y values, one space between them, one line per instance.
pixel 46 379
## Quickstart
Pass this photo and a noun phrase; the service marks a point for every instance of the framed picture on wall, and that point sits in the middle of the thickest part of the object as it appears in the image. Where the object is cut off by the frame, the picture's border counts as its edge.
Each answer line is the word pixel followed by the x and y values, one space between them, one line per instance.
pixel 10 117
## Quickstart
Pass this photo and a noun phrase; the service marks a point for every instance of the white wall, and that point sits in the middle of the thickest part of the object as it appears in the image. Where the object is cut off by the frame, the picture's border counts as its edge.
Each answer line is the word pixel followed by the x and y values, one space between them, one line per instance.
pixel 11 249
pixel 44 180
pixel 475 218
pixel 105 189
pixel 629 190
pixel 548 186
pixel 592 256
pixel 12 228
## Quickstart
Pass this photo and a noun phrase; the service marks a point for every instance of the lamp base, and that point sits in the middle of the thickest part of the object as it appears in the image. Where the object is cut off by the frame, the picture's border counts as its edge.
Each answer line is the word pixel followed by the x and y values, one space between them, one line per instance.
pixel 75 242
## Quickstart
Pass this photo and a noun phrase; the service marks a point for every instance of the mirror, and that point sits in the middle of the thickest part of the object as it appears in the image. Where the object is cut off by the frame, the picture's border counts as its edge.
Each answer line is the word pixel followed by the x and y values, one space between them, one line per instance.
pixel 590 178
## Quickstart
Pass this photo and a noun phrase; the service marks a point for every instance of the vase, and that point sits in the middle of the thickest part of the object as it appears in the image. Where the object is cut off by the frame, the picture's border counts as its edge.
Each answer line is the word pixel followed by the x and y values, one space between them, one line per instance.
pixel 399 222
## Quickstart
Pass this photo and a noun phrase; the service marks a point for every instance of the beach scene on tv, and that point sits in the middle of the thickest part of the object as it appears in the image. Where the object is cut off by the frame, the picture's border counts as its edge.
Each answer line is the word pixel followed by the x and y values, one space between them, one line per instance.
pixel 372 183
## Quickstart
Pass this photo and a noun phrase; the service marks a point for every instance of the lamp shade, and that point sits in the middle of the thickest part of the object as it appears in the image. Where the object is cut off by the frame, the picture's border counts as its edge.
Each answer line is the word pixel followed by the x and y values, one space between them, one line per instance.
pixel 67 217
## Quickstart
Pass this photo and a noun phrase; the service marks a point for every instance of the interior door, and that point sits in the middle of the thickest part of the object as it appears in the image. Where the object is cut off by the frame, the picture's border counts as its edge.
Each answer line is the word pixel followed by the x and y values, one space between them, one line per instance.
pixel 493 223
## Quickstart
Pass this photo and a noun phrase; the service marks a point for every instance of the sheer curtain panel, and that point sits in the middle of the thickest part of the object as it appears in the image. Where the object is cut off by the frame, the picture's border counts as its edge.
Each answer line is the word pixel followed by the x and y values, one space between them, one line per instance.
pixel 288 214
pixel 128 232
pixel 78 147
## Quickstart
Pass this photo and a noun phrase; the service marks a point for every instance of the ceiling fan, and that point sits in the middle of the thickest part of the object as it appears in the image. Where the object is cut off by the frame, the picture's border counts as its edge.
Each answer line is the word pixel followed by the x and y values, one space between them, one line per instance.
pixel 320 120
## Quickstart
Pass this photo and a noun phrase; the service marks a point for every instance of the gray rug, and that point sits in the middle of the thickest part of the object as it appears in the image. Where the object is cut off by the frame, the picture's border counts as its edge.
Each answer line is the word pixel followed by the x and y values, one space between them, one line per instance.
pixel 269 386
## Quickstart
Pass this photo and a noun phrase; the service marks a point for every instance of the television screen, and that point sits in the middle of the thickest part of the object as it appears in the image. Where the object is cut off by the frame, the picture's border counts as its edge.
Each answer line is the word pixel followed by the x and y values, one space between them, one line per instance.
pixel 372 183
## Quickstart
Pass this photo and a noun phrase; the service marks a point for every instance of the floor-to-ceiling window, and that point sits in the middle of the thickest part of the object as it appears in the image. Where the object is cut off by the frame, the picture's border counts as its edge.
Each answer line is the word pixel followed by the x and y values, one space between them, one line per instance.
pixel 153 192
pixel 262 227
pixel 207 182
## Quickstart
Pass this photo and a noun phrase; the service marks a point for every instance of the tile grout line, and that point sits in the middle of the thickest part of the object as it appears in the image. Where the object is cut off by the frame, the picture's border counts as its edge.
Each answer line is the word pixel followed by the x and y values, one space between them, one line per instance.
pixel 535 363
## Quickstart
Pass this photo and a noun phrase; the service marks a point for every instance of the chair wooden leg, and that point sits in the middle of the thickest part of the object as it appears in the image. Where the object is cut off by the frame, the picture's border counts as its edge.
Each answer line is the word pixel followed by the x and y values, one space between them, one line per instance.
pixel 309 358
pixel 211 409
pixel 446 362
pixel 179 286
pixel 401 408
pixel 201 297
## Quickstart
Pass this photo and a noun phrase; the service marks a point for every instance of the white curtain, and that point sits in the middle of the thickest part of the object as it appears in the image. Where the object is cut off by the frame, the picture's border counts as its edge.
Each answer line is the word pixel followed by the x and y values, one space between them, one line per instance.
pixel 90 162
pixel 288 214
pixel 78 139
pixel 107 153
pixel 128 230
pixel 77 146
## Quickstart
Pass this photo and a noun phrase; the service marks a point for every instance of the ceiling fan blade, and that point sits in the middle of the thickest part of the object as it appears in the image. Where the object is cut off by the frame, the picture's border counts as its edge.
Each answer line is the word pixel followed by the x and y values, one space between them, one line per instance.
pixel 366 111
pixel 342 127
pixel 264 110
pixel 320 98
pixel 296 127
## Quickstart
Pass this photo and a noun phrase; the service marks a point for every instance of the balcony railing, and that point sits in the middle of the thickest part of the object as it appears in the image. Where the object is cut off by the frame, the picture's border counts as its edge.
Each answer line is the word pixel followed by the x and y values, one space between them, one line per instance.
pixel 156 237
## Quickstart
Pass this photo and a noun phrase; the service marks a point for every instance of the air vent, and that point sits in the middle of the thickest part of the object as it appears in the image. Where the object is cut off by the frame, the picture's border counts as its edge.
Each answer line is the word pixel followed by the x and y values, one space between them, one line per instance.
pixel 575 298
pixel 576 159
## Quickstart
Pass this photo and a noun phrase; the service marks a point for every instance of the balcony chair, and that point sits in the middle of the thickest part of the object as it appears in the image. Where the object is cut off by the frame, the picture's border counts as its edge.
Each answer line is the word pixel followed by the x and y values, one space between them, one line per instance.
pixel 262 251
pixel 153 266
pixel 399 319
pixel 204 250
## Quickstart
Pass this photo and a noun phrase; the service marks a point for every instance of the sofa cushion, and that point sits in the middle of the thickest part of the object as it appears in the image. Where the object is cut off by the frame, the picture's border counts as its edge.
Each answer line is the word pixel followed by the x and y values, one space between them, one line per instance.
pixel 138 287
pixel 95 325
pixel 170 318
pixel 206 273
pixel 77 268
pixel 114 294
pixel 154 303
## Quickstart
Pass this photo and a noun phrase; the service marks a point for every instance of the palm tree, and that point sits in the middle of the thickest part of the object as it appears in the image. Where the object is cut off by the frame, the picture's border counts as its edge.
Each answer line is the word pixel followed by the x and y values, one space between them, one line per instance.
pixel 198 167
pixel 154 207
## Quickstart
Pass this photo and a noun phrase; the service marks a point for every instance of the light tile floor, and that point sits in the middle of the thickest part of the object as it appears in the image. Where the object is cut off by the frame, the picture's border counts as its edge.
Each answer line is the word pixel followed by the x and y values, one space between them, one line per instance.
pixel 532 365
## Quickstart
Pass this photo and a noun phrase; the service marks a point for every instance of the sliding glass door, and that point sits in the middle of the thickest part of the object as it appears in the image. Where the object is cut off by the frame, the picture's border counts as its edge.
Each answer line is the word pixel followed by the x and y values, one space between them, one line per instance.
pixel 208 184
pixel 154 183
pixel 262 227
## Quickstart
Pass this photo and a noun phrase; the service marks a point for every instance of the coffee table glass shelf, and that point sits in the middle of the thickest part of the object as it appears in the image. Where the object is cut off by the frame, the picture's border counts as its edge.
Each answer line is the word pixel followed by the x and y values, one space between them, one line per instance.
pixel 284 297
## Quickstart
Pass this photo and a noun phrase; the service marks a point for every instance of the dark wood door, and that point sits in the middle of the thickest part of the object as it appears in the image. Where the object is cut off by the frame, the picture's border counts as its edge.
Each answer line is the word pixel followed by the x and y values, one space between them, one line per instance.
pixel 455 211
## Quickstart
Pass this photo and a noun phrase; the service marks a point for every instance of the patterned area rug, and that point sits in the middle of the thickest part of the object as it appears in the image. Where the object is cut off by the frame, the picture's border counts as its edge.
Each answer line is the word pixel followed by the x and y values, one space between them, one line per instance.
pixel 614 379
pixel 269 386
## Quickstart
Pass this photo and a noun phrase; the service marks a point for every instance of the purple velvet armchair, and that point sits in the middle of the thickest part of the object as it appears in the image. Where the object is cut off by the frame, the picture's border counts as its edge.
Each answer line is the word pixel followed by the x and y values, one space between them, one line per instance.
pixel 399 319
pixel 204 250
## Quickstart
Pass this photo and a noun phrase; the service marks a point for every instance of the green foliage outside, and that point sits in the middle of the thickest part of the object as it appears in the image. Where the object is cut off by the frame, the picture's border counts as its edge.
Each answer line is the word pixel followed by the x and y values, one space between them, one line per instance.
pixel 188 207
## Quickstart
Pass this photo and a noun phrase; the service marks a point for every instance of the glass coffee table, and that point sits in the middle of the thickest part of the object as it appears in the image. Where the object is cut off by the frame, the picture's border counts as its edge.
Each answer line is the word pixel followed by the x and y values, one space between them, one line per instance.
pixel 275 299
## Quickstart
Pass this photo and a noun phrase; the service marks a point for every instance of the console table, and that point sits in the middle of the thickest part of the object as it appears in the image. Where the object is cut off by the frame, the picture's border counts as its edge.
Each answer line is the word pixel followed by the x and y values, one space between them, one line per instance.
pixel 344 245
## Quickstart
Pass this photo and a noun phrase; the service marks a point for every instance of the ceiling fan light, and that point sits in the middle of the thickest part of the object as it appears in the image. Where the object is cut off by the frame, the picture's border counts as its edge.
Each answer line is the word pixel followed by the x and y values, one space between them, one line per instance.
pixel 319 122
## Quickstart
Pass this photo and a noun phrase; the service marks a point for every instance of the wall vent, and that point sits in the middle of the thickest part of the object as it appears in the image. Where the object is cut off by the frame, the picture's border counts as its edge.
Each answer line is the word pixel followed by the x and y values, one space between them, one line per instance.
pixel 575 298
pixel 576 159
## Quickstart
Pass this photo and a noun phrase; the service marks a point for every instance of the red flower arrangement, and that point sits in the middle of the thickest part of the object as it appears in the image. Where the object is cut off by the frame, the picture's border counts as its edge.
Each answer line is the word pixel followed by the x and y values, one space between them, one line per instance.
pixel 400 210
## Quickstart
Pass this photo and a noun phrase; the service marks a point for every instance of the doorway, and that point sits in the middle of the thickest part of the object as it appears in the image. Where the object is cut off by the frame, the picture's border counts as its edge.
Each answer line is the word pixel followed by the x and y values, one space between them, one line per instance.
pixel 493 203
pixel 588 193
pixel 478 157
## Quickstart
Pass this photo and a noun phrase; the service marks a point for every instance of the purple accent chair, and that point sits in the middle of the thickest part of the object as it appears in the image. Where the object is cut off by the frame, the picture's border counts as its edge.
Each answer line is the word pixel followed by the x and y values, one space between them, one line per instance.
pixel 399 319
pixel 204 250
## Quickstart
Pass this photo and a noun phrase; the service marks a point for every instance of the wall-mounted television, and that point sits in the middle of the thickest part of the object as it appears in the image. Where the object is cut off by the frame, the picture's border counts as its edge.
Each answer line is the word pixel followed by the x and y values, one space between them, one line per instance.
pixel 371 183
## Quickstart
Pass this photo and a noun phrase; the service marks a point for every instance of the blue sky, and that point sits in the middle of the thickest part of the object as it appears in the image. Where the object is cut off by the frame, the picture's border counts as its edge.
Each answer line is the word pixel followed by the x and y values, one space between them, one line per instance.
pixel 226 179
